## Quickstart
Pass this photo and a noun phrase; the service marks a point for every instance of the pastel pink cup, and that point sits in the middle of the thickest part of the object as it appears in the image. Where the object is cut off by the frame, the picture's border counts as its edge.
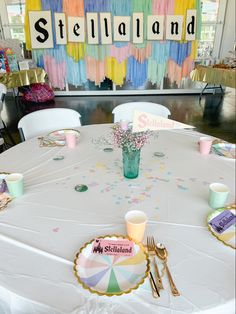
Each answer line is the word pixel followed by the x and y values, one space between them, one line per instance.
pixel 71 139
pixel 205 145
pixel 124 124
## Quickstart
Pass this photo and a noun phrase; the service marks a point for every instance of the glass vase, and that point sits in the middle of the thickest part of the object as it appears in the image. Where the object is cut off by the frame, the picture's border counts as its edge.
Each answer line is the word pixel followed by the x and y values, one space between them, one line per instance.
pixel 131 160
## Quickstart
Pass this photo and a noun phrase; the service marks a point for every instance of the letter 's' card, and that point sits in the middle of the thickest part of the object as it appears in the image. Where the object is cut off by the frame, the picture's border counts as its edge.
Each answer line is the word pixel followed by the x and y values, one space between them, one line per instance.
pixel 223 221
pixel 113 247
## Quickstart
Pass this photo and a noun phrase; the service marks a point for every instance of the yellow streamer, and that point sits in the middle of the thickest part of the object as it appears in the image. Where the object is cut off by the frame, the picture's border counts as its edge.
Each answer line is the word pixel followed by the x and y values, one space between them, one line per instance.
pixel 181 7
pixel 193 54
pixel 76 50
pixel 115 71
pixel 31 5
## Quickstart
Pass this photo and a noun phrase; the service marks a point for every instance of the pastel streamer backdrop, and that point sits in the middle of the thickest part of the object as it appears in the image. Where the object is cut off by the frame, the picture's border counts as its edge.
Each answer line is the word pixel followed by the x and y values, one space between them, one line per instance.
pixel 121 62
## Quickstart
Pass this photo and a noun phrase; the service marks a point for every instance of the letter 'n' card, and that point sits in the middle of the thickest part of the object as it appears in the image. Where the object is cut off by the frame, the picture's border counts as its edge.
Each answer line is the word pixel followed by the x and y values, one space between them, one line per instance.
pixel 113 247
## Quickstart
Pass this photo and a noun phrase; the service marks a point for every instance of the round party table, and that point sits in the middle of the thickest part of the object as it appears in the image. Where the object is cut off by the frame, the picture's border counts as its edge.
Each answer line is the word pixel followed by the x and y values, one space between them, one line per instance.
pixel 41 232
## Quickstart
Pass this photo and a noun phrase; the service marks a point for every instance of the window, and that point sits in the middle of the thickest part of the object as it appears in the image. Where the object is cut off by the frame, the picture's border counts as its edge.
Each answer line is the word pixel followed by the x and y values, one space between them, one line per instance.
pixel 210 10
pixel 16 12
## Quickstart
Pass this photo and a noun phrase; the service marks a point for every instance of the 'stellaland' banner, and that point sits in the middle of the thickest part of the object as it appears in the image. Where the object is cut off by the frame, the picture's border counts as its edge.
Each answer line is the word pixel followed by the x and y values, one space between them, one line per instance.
pixel 144 121
pixel 101 28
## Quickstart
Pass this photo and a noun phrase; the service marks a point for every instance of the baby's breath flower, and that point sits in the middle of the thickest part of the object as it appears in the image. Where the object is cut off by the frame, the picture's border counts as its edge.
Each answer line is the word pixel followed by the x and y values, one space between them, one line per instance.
pixel 129 140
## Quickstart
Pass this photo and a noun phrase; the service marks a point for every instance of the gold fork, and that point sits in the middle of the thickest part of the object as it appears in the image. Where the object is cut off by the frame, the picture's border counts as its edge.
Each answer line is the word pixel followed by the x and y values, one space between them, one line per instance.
pixel 152 252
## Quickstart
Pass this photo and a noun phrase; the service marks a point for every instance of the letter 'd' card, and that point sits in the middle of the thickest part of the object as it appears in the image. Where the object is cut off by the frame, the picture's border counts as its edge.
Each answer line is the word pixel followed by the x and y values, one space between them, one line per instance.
pixel 113 247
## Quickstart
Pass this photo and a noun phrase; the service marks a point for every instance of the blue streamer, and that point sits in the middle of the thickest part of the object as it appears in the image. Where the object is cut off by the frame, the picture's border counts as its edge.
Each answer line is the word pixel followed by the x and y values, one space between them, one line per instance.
pixel 97 6
pixel 180 51
pixel 136 72
pixel 75 72
pixel 54 6
pixel 160 51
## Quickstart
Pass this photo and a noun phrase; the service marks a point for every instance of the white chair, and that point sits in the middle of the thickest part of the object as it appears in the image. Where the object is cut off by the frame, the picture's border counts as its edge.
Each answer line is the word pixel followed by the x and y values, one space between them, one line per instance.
pixel 46 120
pixel 3 91
pixel 1 144
pixel 126 111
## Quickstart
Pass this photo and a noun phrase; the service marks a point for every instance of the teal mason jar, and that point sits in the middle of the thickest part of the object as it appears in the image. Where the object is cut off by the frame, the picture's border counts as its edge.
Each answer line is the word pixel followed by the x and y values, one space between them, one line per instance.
pixel 131 161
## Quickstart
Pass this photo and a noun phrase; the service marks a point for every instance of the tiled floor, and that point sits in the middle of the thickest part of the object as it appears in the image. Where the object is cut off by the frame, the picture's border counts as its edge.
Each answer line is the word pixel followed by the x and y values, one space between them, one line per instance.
pixel 214 115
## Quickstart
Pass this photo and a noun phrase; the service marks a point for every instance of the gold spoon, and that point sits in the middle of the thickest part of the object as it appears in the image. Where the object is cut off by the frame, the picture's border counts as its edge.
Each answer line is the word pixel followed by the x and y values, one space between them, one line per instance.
pixel 162 253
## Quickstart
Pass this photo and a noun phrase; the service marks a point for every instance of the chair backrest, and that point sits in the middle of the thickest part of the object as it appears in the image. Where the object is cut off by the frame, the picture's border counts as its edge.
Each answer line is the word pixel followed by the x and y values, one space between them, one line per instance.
pixel 3 91
pixel 126 111
pixel 46 120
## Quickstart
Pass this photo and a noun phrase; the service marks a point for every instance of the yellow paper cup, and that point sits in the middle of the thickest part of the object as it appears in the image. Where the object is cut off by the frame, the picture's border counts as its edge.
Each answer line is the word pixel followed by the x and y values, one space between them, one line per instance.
pixel 136 221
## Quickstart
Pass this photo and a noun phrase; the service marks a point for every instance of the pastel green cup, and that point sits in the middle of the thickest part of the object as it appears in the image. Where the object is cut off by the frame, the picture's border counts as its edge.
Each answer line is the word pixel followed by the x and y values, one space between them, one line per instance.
pixel 218 194
pixel 15 184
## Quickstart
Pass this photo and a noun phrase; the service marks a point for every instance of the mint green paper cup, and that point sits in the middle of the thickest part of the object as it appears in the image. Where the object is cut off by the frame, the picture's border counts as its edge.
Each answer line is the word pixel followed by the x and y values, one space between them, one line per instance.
pixel 218 194
pixel 15 184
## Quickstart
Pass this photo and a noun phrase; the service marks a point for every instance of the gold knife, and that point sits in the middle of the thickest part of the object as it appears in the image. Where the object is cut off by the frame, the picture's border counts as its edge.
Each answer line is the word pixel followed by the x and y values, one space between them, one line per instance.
pixel 155 292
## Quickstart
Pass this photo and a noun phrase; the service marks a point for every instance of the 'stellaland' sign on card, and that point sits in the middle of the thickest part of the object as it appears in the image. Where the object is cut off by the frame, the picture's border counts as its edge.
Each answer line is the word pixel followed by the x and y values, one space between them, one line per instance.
pixel 102 28
pixel 144 121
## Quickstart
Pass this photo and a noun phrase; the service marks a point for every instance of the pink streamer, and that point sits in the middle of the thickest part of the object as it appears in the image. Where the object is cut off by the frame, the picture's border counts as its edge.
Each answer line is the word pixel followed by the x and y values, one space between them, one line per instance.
pixel 163 7
pixel 120 53
pixel 187 67
pixel 141 54
pixel 95 70
pixel 174 72
pixel 56 72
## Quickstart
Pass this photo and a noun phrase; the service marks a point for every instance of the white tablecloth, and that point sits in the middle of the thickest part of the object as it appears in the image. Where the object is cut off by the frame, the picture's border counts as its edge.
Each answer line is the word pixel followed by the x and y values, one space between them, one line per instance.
pixel 41 231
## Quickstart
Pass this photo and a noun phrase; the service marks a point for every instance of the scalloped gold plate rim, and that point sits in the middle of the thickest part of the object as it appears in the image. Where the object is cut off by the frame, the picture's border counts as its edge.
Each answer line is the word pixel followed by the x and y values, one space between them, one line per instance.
pixel 209 228
pixel 118 293
pixel 55 140
pixel 10 199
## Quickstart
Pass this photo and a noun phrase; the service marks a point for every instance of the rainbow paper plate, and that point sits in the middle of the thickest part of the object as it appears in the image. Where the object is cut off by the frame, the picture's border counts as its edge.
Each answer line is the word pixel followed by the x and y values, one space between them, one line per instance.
pixel 228 235
pixel 224 149
pixel 111 275
pixel 59 136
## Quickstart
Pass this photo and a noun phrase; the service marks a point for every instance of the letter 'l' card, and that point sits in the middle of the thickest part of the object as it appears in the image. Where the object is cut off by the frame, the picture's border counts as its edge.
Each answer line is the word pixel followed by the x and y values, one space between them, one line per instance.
pixel 113 247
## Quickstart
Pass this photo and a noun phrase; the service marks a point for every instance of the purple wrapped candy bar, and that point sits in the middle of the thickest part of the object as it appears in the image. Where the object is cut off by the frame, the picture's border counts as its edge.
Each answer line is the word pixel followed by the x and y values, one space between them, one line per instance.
pixel 223 221
pixel 3 186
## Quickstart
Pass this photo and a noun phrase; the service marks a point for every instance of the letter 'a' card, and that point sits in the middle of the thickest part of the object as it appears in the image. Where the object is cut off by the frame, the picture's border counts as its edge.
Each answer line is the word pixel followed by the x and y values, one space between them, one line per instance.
pixel 113 247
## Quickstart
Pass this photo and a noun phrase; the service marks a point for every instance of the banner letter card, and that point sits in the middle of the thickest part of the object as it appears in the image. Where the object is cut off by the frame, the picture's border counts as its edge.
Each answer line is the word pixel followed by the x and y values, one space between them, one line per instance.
pixel 155 27
pixel 106 28
pixel 174 27
pixel 41 35
pixel 121 28
pixel 60 27
pixel 191 24
pixel 76 29
pixel 92 28
pixel 137 28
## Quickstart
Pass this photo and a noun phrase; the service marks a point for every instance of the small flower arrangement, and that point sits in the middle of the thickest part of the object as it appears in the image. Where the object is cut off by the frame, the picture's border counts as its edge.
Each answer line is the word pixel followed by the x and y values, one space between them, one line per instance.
pixel 125 139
